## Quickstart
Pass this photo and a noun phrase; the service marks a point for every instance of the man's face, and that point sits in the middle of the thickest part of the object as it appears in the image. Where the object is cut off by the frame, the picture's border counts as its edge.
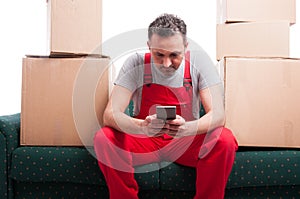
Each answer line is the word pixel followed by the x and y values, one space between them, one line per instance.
pixel 167 52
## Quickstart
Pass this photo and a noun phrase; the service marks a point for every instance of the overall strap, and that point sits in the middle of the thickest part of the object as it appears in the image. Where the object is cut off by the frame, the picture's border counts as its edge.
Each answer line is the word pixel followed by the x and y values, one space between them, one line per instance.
pixel 187 81
pixel 147 69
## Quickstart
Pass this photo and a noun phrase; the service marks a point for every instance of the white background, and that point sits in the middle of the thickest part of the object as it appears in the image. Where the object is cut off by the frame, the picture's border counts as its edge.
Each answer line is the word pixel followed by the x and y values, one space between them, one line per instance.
pixel 24 25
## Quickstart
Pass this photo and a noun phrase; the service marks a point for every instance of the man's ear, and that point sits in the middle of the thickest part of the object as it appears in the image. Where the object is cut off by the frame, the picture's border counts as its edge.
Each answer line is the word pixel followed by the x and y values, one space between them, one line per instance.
pixel 148 44
pixel 186 45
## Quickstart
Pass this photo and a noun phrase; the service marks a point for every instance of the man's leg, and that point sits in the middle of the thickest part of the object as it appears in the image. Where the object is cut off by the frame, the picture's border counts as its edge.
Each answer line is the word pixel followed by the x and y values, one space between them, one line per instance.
pixel 214 165
pixel 117 153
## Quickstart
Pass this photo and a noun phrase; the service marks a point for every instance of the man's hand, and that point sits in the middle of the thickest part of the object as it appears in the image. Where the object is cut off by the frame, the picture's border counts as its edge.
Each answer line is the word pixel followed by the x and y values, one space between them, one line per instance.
pixel 157 127
pixel 177 127
pixel 153 127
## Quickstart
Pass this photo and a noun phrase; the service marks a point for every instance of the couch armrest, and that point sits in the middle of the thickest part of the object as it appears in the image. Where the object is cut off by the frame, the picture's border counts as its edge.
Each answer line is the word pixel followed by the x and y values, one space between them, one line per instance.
pixel 10 128
pixel 9 141
pixel 3 167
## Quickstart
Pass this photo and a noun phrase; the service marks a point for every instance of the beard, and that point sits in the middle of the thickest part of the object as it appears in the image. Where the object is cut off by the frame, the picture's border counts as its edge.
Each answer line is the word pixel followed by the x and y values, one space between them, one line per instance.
pixel 167 71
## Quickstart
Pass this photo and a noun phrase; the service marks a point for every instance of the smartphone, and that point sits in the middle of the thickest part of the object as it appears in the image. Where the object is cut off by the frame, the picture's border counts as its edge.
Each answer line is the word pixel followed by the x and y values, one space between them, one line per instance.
pixel 166 112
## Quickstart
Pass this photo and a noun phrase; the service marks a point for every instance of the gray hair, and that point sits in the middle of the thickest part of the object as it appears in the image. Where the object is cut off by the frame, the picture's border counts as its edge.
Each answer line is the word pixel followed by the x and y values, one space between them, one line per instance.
pixel 167 25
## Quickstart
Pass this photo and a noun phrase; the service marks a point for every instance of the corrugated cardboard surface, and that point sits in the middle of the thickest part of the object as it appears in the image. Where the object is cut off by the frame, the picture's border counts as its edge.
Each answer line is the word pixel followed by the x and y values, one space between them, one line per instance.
pixel 63 100
pixel 74 26
pixel 262 101
pixel 255 39
pixel 256 10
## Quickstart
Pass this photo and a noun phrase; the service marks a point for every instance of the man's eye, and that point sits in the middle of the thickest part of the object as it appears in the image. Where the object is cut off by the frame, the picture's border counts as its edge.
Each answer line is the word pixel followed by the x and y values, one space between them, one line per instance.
pixel 159 54
pixel 174 55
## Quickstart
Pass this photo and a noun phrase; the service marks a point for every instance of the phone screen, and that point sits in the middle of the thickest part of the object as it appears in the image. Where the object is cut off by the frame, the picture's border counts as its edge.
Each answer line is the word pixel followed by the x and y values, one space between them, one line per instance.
pixel 166 112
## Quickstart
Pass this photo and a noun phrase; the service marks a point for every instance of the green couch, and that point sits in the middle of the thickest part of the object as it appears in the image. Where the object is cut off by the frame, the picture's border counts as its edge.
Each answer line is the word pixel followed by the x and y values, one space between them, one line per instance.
pixel 72 172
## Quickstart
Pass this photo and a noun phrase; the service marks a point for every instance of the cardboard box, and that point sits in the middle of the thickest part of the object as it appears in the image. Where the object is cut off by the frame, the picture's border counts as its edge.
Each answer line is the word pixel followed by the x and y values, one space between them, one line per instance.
pixel 255 39
pixel 262 98
pixel 74 27
pixel 63 100
pixel 256 10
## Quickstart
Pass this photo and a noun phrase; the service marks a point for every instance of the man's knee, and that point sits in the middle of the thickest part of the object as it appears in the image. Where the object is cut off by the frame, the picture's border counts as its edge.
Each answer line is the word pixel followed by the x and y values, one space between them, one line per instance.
pixel 102 135
pixel 227 139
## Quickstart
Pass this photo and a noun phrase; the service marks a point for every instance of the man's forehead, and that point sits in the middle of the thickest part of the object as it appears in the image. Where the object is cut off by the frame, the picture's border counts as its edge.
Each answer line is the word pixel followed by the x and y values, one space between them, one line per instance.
pixel 164 51
pixel 171 43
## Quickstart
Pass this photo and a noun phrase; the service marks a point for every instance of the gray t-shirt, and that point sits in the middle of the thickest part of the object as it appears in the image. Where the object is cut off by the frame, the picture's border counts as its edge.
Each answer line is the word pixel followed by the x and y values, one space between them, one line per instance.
pixel 203 74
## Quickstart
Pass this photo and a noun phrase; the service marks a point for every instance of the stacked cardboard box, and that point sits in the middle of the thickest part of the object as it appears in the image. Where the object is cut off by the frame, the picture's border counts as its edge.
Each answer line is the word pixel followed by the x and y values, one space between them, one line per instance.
pixel 64 93
pixel 261 81
pixel 255 10
pixel 74 27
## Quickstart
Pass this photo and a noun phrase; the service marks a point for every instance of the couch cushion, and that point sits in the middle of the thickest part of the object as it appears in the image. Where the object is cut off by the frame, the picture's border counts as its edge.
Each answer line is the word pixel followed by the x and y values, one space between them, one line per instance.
pixel 42 164
pixel 251 169
pixel 69 164
pixel 266 168
pixel 175 177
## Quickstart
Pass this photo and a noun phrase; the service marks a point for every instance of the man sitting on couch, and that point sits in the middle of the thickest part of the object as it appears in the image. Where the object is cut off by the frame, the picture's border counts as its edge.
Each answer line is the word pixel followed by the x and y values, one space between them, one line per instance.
pixel 168 75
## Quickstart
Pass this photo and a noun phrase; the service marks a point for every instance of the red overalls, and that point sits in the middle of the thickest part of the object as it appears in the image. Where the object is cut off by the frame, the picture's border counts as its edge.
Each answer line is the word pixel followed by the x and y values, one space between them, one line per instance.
pixel 119 152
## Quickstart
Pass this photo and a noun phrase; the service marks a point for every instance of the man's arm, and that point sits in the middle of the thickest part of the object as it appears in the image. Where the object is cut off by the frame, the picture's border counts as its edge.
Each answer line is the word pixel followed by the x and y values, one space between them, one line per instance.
pixel 114 115
pixel 212 99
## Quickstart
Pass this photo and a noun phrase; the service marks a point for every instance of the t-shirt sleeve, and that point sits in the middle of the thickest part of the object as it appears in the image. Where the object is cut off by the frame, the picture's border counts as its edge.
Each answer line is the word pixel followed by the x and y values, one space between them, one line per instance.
pixel 131 73
pixel 204 70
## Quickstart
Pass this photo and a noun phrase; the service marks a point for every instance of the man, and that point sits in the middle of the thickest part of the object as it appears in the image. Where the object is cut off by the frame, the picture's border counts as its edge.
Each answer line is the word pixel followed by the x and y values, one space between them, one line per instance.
pixel 168 75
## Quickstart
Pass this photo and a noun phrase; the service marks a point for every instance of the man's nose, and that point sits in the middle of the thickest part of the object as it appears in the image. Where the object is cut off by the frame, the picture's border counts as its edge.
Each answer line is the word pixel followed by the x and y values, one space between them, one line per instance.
pixel 167 62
